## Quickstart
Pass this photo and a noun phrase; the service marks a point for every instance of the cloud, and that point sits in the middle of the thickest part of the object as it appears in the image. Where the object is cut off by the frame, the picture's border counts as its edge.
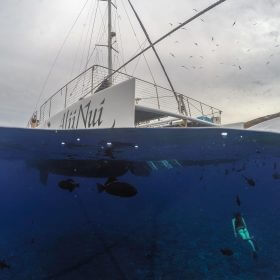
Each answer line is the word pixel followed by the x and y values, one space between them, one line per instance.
pixel 231 66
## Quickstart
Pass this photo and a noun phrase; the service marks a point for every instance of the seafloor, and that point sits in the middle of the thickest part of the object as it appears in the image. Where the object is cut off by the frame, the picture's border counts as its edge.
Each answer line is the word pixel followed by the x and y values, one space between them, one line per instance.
pixel 173 228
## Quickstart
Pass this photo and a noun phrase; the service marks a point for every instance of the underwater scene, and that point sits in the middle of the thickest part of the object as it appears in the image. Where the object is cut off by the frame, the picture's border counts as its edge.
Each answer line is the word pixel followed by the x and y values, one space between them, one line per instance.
pixel 155 204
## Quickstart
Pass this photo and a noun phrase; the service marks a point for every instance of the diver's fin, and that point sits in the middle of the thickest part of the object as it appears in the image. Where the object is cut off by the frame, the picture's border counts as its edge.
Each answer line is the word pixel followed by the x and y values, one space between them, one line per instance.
pixel 111 180
pixel 100 188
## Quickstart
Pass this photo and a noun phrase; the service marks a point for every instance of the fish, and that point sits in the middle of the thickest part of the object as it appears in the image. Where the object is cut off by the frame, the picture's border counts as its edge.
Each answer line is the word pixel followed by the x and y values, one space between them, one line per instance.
pixel 238 200
pixel 4 265
pixel 68 185
pixel 276 176
pixel 116 188
pixel 250 181
pixel 226 252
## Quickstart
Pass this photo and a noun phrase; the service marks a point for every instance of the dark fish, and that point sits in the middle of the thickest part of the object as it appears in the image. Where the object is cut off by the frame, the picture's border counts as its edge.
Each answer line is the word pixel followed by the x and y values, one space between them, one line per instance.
pixel 226 252
pixel 276 176
pixel 114 187
pixel 68 185
pixel 250 181
pixel 234 23
pixel 4 265
pixel 238 200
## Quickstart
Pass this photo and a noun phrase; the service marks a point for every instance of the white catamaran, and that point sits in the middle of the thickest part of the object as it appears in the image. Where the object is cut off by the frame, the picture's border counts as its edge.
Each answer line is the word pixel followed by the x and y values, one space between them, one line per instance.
pixel 102 97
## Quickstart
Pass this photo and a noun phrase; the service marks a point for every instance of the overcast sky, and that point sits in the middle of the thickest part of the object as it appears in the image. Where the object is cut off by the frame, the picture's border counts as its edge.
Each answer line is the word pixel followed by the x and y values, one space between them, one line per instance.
pixel 231 56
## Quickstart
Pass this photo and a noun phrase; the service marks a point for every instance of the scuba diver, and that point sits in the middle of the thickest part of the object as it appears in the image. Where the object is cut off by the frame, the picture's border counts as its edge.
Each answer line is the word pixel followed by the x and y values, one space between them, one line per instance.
pixel 240 228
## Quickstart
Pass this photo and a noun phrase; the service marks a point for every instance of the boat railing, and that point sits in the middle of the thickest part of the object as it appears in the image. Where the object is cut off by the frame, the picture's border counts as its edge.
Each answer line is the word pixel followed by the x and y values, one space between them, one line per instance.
pixel 147 94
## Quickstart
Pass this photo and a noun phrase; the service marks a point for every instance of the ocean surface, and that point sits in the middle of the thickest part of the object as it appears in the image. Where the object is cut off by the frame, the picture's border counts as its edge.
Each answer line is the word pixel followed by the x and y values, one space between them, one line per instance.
pixel 169 217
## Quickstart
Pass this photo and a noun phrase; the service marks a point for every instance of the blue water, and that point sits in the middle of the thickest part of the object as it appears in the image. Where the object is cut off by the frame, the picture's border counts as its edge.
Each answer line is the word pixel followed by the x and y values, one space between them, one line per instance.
pixel 187 181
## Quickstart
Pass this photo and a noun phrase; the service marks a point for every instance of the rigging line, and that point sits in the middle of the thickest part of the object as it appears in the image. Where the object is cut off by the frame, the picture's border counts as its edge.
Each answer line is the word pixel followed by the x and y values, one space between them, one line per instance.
pixel 99 34
pixel 103 25
pixel 139 58
pixel 149 68
pixel 102 33
pixel 78 48
pixel 136 65
pixel 156 53
pixel 91 35
pixel 167 34
pixel 58 54
pixel 90 41
pixel 87 35
pixel 121 41
pixel 139 48
pixel 83 76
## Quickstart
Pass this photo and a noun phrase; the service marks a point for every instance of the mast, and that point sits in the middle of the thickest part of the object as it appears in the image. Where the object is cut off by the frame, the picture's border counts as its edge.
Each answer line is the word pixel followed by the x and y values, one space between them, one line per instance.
pixel 219 2
pixel 110 62
pixel 157 55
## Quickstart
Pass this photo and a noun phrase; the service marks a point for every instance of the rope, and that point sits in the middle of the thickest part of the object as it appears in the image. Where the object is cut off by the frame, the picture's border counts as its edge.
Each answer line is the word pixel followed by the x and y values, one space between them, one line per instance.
pixel 149 68
pixel 58 54
pixel 166 35
pixel 79 46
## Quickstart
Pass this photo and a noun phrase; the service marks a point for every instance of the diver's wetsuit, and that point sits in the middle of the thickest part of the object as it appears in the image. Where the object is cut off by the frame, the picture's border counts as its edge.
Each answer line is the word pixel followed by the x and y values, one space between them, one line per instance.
pixel 240 227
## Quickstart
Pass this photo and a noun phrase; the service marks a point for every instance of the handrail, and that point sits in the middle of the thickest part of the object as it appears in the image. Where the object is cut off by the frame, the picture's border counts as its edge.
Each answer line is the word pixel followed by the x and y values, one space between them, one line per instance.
pixel 78 88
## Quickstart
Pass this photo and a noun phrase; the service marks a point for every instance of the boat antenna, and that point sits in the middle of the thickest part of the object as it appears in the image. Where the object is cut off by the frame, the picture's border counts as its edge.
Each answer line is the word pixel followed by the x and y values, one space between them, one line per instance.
pixel 156 53
pixel 165 36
